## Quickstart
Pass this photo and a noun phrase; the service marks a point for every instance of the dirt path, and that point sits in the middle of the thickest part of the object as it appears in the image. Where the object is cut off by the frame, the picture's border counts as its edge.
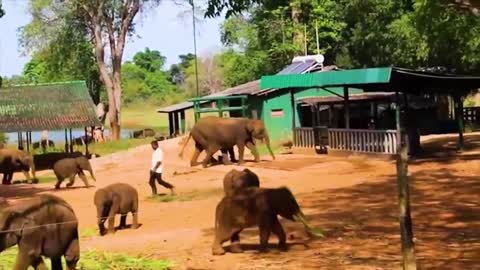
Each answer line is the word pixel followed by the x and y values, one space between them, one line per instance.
pixel 354 199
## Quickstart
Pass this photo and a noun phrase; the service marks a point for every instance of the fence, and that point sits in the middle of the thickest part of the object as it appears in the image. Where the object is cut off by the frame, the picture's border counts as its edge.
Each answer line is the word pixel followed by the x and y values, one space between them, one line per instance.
pixel 471 114
pixel 363 140
pixel 355 140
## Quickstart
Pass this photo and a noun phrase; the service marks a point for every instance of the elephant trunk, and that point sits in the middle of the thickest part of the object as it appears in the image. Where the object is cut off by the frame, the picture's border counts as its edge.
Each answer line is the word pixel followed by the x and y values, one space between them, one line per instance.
pixel 184 145
pixel 315 232
pixel 267 142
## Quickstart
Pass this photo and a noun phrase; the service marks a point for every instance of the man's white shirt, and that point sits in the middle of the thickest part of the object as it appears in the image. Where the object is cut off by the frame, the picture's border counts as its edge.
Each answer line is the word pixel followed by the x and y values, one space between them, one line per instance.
pixel 157 156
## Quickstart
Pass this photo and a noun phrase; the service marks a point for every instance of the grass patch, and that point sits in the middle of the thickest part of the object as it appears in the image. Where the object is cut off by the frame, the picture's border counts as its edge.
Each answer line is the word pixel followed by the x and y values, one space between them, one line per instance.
pixel 188 196
pixel 87 232
pixel 110 147
pixel 98 260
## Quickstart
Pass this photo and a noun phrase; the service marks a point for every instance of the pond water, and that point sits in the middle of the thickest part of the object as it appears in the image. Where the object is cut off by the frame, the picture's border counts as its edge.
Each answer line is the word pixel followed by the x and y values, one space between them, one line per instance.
pixel 59 135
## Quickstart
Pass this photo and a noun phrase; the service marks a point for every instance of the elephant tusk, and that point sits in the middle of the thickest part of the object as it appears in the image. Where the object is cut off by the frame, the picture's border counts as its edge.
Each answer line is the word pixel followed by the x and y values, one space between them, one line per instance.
pixel 316 232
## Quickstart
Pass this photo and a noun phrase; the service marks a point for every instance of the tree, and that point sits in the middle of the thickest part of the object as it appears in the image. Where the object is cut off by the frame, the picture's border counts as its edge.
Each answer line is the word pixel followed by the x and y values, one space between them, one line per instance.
pixel 177 71
pixel 149 60
pixel 108 22
pixel 210 76
pixel 2 12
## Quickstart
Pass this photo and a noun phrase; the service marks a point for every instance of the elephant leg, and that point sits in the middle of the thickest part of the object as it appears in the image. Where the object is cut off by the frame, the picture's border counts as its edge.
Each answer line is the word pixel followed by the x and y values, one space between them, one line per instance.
pixel 84 179
pixel 210 152
pixel 277 229
pixel 135 220
pixel 254 151
pixel 72 254
pixel 265 227
pixel 56 263
pixel 27 176
pixel 231 152
pixel 221 236
pixel 71 181
pixel 39 264
pixel 23 261
pixel 198 150
pixel 9 178
pixel 59 181
pixel 225 159
pixel 235 243
pixel 123 221
pixel 111 216
pixel 4 180
pixel 241 151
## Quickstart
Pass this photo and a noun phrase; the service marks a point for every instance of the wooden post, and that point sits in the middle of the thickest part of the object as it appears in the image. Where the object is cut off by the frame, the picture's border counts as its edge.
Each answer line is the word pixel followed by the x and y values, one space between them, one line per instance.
pixel 292 100
pixel 170 124
pixel 220 107
pixel 71 141
pixel 331 112
pixel 66 141
pixel 175 124
pixel 314 115
pixel 86 141
pixel 409 261
pixel 28 141
pixel 459 116
pixel 244 107
pixel 182 122
pixel 346 107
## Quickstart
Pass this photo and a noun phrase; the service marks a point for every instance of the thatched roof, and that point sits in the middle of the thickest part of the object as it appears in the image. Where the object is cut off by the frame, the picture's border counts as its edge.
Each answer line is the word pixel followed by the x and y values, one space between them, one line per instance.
pixel 46 107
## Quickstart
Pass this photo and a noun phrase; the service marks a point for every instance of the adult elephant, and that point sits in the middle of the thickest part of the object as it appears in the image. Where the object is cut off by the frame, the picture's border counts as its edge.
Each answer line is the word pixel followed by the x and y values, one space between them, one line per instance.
pixel 215 133
pixel 14 160
pixel 45 225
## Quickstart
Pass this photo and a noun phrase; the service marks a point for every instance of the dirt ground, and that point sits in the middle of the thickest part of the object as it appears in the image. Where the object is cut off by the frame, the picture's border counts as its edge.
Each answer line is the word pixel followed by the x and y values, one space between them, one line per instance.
pixel 354 200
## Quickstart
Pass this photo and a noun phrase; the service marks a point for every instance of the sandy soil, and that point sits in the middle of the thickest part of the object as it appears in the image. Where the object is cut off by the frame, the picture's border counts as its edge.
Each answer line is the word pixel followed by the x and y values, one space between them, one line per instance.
pixel 353 199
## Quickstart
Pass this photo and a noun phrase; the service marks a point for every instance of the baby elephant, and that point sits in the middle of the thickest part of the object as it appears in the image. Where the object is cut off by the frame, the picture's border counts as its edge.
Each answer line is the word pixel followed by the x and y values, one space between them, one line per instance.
pixel 69 167
pixel 118 198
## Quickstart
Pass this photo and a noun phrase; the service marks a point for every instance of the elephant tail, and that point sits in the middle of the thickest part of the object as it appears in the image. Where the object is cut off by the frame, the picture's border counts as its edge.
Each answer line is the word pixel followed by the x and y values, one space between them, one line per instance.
pixel 184 145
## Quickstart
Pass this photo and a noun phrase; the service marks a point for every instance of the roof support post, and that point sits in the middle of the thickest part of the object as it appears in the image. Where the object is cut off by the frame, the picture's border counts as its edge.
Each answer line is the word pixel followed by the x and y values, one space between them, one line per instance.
pixel 409 261
pixel 244 109
pixel 71 141
pixel 176 124
pixel 86 141
pixel 331 111
pixel 29 140
pixel 182 122
pixel 66 141
pixel 459 116
pixel 346 107
pixel 294 108
pixel 170 124
pixel 220 107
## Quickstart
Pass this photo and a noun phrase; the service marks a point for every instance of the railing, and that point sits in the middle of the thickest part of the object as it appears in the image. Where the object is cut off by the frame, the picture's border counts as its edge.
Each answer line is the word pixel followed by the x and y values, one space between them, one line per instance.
pixel 303 137
pixel 471 114
pixel 363 140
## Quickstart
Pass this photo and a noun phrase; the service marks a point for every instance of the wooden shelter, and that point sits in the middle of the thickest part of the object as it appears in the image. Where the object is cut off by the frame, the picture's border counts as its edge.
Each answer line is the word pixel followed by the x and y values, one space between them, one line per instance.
pixel 53 106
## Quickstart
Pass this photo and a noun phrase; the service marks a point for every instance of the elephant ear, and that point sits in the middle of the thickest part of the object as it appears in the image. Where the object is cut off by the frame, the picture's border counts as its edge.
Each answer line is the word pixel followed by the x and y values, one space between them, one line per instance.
pixel 250 126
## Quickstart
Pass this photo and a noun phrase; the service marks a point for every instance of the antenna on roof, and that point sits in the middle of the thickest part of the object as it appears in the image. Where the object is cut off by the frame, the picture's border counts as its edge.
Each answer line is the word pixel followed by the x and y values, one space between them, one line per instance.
pixel 316 32
pixel 305 38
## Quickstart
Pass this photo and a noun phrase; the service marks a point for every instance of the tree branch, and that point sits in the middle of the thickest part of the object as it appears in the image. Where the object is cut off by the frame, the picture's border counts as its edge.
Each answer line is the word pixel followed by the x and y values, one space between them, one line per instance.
pixel 131 9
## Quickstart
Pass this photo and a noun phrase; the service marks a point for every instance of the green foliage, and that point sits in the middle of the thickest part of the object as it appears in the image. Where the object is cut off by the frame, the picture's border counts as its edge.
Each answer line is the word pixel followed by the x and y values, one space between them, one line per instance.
pixel 149 60
pixel 99 260
pixel 3 138
pixel 143 80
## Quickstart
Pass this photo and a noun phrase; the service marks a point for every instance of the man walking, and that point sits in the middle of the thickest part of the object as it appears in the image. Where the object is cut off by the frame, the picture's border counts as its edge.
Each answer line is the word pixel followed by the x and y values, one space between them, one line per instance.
pixel 156 170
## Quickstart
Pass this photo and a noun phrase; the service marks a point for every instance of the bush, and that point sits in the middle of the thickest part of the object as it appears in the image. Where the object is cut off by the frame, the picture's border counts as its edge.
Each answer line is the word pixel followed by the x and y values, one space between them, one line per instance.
pixel 3 137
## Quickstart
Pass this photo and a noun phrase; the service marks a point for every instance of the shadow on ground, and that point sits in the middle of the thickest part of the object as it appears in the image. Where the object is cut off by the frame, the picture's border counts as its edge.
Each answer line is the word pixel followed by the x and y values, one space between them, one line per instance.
pixel 362 230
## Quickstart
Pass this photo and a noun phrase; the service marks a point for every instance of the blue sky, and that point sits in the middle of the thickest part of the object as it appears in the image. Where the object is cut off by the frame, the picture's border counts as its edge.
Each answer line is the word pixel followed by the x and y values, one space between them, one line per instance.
pixel 160 29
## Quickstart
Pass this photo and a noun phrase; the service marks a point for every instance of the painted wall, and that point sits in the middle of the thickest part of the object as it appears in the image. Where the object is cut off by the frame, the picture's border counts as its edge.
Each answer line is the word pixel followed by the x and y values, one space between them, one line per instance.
pixel 276 110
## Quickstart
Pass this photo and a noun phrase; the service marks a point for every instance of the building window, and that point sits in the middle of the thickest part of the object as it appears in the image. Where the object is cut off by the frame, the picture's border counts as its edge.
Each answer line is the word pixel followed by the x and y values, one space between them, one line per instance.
pixel 277 113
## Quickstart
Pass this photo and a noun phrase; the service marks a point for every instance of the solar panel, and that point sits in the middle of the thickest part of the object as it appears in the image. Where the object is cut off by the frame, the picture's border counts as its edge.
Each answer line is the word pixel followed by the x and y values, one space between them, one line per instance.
pixel 297 67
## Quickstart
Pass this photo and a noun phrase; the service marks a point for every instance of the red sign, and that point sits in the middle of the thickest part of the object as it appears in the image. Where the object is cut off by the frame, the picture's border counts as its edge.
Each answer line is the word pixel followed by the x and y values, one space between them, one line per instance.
pixel 277 113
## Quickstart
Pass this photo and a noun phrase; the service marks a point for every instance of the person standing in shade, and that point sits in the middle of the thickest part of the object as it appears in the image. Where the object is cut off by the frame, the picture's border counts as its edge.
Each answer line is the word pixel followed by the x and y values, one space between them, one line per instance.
pixel 157 169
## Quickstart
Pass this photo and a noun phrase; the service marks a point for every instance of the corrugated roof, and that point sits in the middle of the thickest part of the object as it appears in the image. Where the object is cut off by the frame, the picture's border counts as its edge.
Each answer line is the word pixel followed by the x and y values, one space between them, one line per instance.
pixel 242 89
pixel 177 107
pixel 46 107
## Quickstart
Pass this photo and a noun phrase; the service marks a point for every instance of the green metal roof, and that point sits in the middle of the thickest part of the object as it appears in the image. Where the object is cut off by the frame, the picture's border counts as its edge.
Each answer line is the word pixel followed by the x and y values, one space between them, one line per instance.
pixel 331 78
pixel 375 79
pixel 212 98
pixel 46 107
